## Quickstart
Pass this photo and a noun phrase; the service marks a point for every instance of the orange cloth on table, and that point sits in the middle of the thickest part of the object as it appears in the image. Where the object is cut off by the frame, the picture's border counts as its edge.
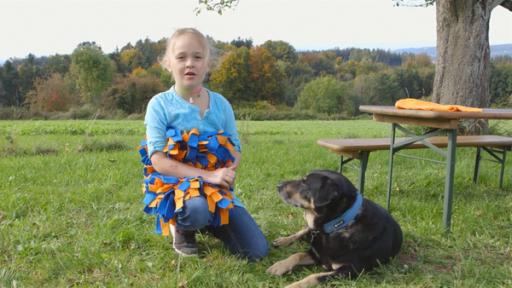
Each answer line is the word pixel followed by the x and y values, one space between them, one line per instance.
pixel 415 104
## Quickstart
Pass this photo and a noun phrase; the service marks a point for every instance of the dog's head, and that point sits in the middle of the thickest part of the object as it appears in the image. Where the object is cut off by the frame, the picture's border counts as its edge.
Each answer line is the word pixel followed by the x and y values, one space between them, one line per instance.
pixel 319 191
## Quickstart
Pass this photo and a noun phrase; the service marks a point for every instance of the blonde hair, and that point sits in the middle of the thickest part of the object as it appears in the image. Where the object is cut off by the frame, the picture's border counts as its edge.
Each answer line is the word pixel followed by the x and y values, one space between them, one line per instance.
pixel 165 61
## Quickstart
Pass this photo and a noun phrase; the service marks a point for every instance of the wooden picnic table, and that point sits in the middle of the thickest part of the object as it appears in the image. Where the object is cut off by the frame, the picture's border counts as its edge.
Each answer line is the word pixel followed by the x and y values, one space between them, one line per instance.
pixel 440 122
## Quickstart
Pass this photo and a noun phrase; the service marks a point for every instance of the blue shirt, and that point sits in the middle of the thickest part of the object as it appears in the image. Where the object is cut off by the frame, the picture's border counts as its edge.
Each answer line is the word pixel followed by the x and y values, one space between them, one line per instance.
pixel 168 109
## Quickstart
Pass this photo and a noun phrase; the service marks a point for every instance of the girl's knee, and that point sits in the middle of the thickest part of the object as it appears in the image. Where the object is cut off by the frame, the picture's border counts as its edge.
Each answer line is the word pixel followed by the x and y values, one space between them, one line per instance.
pixel 195 214
pixel 257 252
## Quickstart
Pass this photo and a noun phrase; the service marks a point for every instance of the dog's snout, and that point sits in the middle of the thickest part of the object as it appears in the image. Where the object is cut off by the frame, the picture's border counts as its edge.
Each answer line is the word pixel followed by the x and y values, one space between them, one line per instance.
pixel 280 186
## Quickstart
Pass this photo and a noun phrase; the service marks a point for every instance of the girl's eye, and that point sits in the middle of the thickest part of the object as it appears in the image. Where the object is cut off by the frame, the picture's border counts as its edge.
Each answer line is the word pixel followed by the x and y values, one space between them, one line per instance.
pixel 199 57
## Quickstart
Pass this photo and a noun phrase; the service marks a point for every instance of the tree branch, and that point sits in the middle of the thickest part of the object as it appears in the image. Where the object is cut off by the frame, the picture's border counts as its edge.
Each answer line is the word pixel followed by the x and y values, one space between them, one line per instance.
pixel 507 4
pixel 216 5
pixel 414 3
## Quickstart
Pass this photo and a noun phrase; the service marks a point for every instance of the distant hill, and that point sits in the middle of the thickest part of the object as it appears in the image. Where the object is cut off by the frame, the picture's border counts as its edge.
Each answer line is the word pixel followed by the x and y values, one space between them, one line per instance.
pixel 496 50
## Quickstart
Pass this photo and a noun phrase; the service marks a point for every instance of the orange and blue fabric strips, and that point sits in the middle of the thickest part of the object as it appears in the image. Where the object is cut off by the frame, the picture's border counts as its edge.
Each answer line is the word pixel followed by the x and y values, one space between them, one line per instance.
pixel 165 195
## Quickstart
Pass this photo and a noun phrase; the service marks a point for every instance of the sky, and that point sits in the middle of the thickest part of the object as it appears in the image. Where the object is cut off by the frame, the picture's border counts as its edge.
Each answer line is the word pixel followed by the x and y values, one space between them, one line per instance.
pixel 57 26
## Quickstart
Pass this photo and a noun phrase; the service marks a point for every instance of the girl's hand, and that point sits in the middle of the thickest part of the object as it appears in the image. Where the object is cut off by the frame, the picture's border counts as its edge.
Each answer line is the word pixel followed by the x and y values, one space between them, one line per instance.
pixel 235 163
pixel 233 166
pixel 224 177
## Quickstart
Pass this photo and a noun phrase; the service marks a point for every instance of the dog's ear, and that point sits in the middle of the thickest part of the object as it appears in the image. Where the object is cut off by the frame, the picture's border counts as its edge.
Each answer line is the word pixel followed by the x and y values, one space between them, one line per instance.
pixel 329 191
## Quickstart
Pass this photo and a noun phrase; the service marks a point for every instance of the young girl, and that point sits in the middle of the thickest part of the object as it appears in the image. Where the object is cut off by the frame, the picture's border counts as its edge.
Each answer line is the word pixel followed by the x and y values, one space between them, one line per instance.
pixel 188 106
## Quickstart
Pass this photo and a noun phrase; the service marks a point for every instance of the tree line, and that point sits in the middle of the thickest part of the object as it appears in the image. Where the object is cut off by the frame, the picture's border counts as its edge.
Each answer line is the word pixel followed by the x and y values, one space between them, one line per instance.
pixel 272 75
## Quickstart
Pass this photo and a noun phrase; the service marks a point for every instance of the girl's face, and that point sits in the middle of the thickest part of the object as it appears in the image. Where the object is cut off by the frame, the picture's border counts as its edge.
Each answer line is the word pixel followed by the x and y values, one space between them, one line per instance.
pixel 189 62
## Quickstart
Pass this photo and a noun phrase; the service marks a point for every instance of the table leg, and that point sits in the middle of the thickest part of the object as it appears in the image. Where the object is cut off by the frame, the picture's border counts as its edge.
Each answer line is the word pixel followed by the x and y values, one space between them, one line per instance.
pixel 450 172
pixel 502 171
pixel 390 168
pixel 476 172
pixel 363 162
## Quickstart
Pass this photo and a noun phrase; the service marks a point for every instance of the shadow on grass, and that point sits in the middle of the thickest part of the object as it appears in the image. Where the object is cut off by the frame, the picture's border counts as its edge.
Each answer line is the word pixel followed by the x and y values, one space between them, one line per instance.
pixel 20 151
pixel 98 145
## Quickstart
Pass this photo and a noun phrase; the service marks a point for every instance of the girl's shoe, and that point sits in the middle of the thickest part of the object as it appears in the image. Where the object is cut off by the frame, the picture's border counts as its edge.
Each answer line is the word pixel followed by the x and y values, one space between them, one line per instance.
pixel 184 241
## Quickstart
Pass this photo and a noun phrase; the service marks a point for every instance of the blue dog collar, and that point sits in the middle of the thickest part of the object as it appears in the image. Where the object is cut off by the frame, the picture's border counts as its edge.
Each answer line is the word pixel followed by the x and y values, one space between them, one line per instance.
pixel 341 222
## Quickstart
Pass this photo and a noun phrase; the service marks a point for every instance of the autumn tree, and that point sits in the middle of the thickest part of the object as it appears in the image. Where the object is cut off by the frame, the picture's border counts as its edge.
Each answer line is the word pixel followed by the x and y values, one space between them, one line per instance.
pixel 415 76
pixel 232 77
pixel 92 71
pixel 150 51
pixel 501 81
pixel 57 93
pixel 239 42
pixel 132 93
pixel 265 76
pixel 281 50
pixel 130 58
pixel 2 91
pixel 245 75
pixel 165 76
pixel 28 71
pixel 10 82
pixel 139 72
pixel 322 63
pixel 297 75
pixel 377 88
pixel 56 64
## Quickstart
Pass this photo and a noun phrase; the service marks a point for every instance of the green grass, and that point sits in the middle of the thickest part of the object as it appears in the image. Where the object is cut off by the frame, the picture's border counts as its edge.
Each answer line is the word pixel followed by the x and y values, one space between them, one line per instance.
pixel 71 210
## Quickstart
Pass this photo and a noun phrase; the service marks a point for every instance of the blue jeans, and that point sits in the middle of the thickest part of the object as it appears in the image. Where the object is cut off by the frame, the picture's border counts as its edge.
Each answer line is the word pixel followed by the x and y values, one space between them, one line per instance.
pixel 242 235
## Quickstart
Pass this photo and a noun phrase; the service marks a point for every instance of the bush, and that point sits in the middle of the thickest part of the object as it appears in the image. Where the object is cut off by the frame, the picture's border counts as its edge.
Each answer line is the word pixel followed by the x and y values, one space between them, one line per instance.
pixel 55 93
pixel 13 113
pixel 322 95
pixel 131 94
pixel 86 111
pixel 135 116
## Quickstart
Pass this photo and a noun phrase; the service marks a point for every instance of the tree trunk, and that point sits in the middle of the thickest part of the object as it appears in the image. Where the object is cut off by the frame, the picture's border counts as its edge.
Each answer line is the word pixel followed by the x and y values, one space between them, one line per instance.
pixel 463 55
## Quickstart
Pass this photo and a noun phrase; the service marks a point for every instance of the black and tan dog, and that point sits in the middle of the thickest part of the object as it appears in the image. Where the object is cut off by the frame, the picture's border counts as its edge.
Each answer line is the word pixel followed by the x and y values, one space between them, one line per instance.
pixel 348 233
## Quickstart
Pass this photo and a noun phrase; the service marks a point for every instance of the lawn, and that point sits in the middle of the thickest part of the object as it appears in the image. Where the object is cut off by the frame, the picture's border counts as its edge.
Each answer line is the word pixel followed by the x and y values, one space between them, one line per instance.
pixel 71 210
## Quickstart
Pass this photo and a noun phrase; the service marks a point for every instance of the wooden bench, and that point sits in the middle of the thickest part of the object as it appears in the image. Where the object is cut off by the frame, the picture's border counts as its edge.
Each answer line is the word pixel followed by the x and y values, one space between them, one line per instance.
pixel 496 146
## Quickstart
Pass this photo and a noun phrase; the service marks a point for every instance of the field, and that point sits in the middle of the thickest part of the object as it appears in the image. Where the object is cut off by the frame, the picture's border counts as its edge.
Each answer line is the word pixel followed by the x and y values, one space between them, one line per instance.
pixel 71 210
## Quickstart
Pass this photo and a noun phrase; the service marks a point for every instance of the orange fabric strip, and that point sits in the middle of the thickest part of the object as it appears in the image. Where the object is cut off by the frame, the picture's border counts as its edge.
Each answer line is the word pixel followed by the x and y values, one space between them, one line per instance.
pixel 208 190
pixel 216 197
pixel 195 184
pixel 211 204
pixel 157 201
pixel 192 193
pixel 178 198
pixel 165 227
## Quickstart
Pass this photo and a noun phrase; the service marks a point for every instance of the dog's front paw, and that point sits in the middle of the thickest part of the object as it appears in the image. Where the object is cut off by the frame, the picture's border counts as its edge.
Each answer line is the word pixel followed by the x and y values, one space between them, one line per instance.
pixel 279 268
pixel 282 241
pixel 309 281
pixel 299 284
